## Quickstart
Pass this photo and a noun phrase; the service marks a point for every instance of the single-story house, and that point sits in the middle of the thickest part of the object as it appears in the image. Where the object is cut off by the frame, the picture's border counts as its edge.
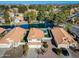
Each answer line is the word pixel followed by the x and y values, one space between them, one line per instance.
pixel 35 37
pixel 13 38
pixel 62 38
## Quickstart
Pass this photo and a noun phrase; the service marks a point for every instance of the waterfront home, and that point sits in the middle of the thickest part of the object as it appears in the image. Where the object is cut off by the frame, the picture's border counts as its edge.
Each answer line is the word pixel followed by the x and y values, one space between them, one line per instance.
pixel 62 38
pixel 2 30
pixel 35 37
pixel 13 38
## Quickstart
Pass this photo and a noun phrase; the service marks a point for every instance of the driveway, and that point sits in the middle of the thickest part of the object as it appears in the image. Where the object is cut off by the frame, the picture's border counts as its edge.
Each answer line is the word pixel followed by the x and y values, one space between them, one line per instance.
pixel 31 53
pixel 50 54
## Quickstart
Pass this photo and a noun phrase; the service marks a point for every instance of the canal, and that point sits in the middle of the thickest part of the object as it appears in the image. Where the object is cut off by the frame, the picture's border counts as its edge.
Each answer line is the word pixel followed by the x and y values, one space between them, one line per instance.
pixel 26 26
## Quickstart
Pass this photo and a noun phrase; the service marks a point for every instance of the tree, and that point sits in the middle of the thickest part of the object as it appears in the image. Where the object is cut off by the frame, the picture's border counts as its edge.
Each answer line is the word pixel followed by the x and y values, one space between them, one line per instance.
pixel 42 15
pixel 32 15
pixel 6 16
pixel 32 6
pixel 66 7
pixel 22 9
pixel 52 16
pixel 4 7
pixel 60 17
pixel 41 7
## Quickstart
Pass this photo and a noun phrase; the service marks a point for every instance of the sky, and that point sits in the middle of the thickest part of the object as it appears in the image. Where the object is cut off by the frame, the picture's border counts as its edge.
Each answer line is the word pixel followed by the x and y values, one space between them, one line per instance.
pixel 39 2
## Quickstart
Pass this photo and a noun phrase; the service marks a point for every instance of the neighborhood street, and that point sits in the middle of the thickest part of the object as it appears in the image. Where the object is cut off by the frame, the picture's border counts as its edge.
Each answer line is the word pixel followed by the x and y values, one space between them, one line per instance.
pixel 13 52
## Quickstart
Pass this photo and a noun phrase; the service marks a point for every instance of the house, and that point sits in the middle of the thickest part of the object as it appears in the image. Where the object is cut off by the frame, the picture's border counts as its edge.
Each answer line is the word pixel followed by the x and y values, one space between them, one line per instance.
pixel 15 16
pixel 15 10
pixel 62 38
pixel 2 30
pixel 35 37
pixel 13 38
pixel 2 20
pixel 19 18
pixel 30 10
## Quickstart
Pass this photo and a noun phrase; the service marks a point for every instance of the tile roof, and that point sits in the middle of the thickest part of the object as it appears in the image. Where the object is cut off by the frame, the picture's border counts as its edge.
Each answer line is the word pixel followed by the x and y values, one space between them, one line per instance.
pixel 35 33
pixel 2 30
pixel 61 36
pixel 57 35
pixel 20 18
pixel 15 35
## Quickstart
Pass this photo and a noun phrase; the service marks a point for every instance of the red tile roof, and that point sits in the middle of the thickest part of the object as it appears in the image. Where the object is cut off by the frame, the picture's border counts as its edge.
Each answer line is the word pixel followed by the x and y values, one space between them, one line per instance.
pixel 61 36
pixel 20 18
pixel 15 34
pixel 35 33
pixel 2 30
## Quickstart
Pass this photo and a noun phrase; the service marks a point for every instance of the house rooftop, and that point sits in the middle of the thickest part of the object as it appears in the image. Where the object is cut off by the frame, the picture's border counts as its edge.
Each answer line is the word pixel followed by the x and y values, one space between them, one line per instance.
pixel 35 33
pixel 15 35
pixel 2 30
pixel 20 18
pixel 61 36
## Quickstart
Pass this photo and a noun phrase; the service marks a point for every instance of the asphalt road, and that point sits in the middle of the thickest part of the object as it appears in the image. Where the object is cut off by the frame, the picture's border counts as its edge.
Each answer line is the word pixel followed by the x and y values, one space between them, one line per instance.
pixel 13 52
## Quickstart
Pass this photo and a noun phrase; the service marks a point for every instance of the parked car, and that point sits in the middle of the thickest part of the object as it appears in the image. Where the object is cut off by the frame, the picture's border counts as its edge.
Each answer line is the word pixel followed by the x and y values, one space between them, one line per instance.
pixel 64 51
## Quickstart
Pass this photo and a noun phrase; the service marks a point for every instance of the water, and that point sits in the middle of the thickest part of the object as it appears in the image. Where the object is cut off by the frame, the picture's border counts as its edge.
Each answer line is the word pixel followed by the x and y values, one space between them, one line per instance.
pixel 25 26
pixel 42 25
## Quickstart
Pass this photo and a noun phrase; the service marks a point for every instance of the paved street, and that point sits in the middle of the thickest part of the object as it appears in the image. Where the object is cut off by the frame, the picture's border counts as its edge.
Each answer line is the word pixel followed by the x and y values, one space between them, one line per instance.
pixel 13 52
